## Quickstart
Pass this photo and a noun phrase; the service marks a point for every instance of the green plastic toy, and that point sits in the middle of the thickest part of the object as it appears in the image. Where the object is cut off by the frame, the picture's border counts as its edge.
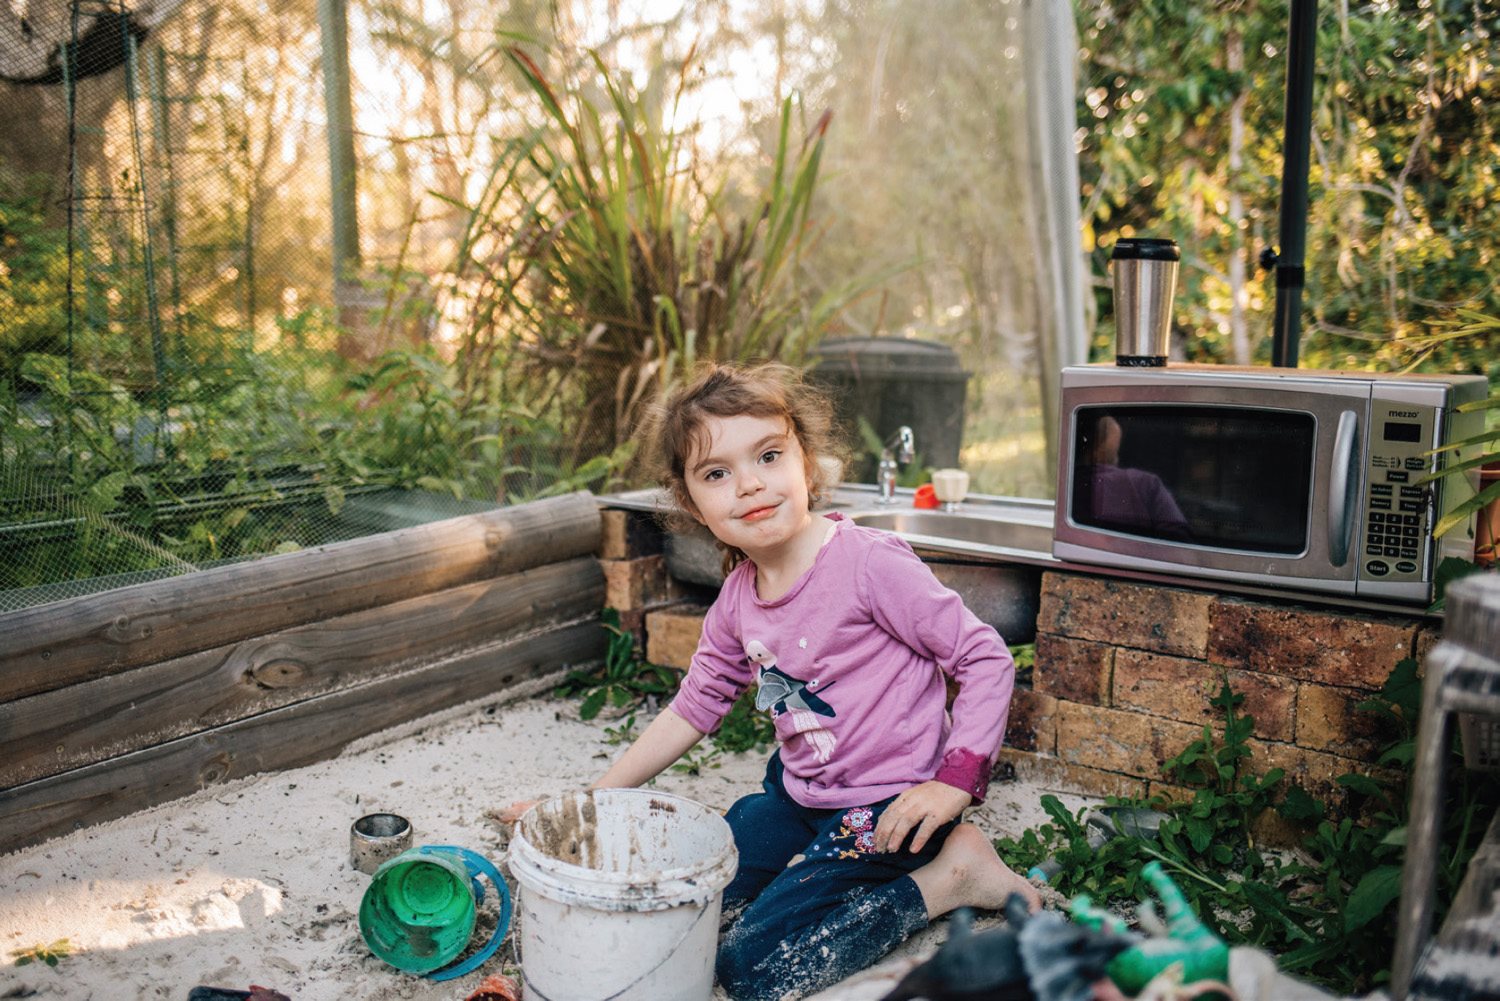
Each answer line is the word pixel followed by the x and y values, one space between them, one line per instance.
pixel 419 910
pixel 1188 941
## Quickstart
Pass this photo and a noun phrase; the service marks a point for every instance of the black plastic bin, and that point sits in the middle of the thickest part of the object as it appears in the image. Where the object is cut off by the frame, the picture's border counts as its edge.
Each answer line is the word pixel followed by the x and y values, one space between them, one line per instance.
pixel 891 381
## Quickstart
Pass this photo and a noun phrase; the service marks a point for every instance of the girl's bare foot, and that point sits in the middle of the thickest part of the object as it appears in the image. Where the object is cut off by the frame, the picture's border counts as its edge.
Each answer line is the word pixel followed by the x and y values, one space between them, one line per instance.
pixel 968 873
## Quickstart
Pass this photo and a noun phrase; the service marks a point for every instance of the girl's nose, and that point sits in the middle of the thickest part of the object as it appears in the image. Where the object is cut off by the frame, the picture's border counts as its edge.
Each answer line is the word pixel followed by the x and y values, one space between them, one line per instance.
pixel 749 483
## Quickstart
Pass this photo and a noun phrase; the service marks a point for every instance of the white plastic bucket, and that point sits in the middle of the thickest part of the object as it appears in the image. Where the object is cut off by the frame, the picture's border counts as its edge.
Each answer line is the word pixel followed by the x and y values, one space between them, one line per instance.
pixel 619 896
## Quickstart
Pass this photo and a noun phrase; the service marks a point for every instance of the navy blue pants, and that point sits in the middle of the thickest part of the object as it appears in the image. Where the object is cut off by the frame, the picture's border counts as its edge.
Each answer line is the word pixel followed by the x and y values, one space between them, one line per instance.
pixel 834 912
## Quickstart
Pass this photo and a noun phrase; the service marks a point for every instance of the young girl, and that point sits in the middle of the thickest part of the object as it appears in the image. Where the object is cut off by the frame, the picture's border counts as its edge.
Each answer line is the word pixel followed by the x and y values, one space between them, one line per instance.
pixel 854 843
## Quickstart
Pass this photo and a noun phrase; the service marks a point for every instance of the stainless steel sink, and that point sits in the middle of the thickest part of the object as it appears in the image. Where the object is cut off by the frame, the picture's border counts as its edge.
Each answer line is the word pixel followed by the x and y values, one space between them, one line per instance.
pixel 1003 545
pixel 961 531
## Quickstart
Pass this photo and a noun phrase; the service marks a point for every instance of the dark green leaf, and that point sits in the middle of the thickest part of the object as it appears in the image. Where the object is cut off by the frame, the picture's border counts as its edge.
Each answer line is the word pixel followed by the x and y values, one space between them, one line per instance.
pixel 1362 784
pixel 1299 807
pixel 1372 896
pixel 592 704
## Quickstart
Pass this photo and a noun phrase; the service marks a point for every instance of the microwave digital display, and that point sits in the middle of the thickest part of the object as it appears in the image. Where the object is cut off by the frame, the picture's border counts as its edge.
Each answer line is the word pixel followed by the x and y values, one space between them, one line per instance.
pixel 1233 478
pixel 1401 431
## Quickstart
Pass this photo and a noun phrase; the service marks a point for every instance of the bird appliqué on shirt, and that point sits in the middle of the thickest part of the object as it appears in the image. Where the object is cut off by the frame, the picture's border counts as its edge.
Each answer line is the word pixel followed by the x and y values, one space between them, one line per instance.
pixel 780 693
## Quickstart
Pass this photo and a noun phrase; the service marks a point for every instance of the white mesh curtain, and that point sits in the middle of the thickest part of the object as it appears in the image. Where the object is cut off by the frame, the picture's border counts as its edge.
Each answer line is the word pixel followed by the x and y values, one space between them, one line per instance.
pixel 1051 58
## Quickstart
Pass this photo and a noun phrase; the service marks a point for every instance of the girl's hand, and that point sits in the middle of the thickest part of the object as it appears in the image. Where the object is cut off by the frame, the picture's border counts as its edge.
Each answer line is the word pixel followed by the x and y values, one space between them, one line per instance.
pixel 923 809
pixel 512 813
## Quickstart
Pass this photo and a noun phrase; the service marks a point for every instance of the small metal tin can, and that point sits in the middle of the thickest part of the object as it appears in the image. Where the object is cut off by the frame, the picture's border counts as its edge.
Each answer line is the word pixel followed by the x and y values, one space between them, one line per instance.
pixel 376 838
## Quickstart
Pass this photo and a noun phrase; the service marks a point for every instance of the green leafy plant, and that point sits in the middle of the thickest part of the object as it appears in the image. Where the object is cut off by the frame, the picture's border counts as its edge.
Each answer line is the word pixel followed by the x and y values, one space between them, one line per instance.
pixel 33 278
pixel 745 728
pixel 1477 451
pixel 623 258
pixel 1024 654
pixel 51 954
pixel 1227 797
pixel 1327 911
pixel 699 759
pixel 624 680
pixel 622 733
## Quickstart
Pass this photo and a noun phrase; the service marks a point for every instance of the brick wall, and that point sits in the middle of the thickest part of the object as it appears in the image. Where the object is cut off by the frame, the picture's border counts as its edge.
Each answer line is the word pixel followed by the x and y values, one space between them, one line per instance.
pixel 635 571
pixel 1125 672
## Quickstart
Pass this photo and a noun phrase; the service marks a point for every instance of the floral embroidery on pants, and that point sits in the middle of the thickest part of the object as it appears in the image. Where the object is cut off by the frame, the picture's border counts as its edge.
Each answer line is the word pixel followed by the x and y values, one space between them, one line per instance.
pixel 857 823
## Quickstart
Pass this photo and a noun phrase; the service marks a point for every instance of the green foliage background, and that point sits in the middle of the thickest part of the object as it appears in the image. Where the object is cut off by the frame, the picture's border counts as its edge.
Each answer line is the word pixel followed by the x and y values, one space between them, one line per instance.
pixel 555 239
pixel 1181 107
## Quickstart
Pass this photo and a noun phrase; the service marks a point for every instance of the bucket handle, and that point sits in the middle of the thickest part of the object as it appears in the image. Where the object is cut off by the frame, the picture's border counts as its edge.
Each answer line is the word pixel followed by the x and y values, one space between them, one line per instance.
pixel 475 865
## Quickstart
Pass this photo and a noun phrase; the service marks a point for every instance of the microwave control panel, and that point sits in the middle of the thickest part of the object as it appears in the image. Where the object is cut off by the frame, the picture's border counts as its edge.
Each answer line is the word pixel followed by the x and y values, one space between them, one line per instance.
pixel 1398 511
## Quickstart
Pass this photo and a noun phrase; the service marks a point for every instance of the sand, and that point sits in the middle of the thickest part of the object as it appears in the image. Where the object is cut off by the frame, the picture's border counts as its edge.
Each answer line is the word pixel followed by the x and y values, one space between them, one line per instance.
pixel 250 882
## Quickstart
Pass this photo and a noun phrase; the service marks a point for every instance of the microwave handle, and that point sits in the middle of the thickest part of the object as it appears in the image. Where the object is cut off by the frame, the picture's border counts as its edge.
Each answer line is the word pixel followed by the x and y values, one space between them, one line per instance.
pixel 1341 488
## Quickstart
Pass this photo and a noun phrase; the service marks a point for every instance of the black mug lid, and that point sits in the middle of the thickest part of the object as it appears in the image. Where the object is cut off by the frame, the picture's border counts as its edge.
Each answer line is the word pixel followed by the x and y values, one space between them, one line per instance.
pixel 1134 249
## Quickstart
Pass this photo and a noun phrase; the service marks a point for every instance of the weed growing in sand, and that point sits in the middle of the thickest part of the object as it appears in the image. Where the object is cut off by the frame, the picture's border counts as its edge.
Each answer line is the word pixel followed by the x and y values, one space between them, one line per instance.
pixel 744 729
pixel 1328 911
pixel 50 954
pixel 624 733
pixel 625 679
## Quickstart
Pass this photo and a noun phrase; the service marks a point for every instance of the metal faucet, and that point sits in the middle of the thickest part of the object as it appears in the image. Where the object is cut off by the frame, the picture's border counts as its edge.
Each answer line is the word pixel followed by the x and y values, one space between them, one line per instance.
pixel 900 447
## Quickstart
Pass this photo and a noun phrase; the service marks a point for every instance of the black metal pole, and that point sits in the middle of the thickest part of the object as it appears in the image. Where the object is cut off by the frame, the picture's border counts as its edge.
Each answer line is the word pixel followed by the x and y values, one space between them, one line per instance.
pixel 1302 37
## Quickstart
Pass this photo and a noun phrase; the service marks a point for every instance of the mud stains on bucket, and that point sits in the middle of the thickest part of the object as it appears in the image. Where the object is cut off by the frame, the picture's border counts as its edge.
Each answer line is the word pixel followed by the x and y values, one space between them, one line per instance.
pixel 567 829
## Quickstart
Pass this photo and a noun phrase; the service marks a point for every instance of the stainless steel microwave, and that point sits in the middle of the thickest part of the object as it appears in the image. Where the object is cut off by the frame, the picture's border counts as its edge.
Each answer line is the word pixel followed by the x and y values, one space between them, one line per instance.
pixel 1300 478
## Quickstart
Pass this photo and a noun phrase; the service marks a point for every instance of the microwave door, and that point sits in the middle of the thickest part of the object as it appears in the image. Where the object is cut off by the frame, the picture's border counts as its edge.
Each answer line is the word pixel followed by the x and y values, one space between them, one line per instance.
pixel 1246 483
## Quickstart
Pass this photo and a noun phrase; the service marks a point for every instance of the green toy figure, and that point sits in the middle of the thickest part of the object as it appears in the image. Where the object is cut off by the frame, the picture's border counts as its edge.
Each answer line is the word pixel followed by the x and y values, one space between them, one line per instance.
pixel 1188 941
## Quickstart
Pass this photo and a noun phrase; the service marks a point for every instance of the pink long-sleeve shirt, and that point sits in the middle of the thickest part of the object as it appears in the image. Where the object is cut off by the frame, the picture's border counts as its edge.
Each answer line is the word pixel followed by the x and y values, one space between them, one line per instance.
pixel 850 664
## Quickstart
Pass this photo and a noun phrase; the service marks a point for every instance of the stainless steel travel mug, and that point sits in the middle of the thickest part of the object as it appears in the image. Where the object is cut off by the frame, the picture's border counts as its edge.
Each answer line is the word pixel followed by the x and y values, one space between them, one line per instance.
pixel 1145 277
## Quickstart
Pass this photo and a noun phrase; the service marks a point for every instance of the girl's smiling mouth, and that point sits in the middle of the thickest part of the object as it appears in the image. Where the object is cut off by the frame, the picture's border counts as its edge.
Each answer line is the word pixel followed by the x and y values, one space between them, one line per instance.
pixel 759 514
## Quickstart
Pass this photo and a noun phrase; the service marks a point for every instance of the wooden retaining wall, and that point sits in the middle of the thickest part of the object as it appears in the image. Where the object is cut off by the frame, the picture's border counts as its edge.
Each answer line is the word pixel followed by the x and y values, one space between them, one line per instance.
pixel 113 702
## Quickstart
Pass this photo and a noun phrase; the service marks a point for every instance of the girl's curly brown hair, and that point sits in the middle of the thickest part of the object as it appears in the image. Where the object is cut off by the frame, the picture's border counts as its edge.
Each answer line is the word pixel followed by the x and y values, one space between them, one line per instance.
pixel 721 390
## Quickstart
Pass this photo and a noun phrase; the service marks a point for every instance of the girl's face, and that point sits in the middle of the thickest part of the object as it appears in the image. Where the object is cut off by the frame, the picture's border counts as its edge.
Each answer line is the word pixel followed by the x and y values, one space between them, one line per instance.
pixel 749 485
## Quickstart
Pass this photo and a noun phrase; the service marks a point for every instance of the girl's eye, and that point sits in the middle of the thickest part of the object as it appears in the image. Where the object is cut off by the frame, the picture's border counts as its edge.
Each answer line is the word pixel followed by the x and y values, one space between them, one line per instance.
pixel 771 456
pixel 713 474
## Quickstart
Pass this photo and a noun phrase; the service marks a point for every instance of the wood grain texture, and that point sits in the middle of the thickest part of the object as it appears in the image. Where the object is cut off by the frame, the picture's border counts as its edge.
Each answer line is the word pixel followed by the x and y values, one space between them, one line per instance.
pixel 70 727
pixel 288 737
pixel 93 636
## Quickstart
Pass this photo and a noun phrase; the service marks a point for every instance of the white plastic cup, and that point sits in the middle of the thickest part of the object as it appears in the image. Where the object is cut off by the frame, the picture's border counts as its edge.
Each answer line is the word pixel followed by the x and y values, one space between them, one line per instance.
pixel 620 892
pixel 951 486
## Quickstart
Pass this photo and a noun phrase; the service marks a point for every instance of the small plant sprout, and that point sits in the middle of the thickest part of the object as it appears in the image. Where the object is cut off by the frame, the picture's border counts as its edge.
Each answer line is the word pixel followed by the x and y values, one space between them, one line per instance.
pixel 51 954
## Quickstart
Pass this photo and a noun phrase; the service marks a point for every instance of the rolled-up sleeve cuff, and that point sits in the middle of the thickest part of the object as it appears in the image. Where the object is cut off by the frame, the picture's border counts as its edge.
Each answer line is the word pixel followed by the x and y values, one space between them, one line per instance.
pixel 703 720
pixel 964 770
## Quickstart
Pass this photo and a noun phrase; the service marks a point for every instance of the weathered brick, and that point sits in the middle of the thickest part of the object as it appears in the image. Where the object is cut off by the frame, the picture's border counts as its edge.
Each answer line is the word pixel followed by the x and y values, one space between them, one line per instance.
pixel 638 583
pixel 1119 741
pixel 1326 647
pixel 629 534
pixel 672 635
pixel 1273 830
pixel 1160 619
pixel 1076 670
pixel 1178 688
pixel 1050 774
pixel 1428 635
pixel 1031 726
pixel 1315 771
pixel 1327 720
